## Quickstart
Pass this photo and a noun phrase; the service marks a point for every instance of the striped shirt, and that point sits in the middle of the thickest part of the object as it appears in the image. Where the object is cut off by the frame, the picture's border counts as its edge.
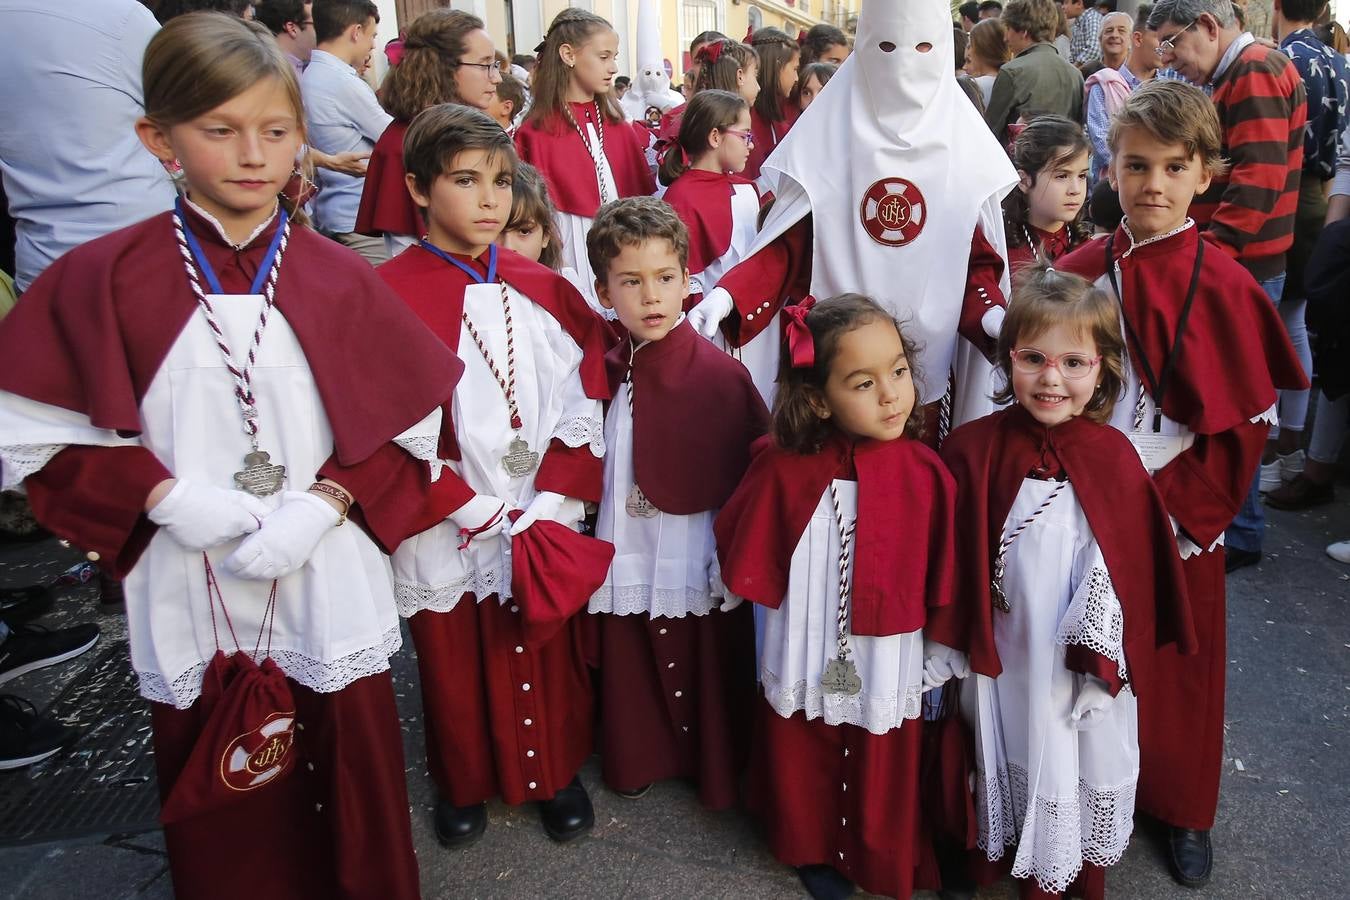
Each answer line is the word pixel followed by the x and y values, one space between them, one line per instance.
pixel 1262 109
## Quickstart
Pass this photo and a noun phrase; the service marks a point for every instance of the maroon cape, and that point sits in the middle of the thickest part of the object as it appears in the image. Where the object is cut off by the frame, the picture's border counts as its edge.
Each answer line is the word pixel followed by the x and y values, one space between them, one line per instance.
pixel 703 202
pixel 556 150
pixel 1235 352
pixel 991 457
pixel 767 135
pixel 904 546
pixel 386 206
pixel 696 413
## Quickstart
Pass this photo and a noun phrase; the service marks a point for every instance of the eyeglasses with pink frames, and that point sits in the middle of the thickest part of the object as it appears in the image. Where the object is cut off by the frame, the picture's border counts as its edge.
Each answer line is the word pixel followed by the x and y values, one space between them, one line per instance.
pixel 1071 365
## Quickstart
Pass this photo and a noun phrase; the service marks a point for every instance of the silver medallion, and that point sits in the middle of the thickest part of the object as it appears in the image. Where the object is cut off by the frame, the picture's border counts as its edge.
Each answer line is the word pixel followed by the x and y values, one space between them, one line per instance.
pixel 840 677
pixel 519 460
pixel 638 506
pixel 996 592
pixel 259 476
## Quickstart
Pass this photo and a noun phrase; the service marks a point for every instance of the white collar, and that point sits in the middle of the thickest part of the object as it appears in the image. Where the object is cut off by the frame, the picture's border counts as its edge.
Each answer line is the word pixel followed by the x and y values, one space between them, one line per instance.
pixel 634 348
pixel 1135 245
pixel 220 229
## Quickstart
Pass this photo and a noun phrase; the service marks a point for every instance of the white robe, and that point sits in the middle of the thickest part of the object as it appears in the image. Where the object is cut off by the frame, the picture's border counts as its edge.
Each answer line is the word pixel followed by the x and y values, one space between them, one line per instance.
pixel 572 228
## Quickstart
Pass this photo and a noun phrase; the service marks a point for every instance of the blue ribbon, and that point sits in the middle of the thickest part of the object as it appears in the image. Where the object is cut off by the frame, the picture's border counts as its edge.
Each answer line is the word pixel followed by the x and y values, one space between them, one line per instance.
pixel 467 270
pixel 204 265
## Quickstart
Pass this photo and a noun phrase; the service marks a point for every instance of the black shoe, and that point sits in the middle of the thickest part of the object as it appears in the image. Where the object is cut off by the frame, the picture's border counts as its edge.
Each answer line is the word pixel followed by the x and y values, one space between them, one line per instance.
pixel 825 882
pixel 459 826
pixel 569 814
pixel 1234 559
pixel 27 737
pixel 634 794
pixel 956 893
pixel 30 647
pixel 20 604
pixel 1189 856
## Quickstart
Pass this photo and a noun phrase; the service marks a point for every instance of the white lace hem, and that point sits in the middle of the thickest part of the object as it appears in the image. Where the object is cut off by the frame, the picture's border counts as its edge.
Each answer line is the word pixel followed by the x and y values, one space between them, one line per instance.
pixel 1270 417
pixel 577 431
pixel 21 460
pixel 1095 620
pixel 412 597
pixel 667 603
pixel 1187 547
pixel 317 675
pixel 1064 832
pixel 877 713
pixel 423 447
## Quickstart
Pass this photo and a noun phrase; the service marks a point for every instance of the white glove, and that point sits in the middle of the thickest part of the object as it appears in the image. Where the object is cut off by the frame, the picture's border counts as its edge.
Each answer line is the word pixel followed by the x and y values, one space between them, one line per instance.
pixel 200 517
pixel 545 505
pixel 941 664
pixel 719 589
pixel 992 320
pixel 287 538
pixel 710 311
pixel 483 517
pixel 1093 703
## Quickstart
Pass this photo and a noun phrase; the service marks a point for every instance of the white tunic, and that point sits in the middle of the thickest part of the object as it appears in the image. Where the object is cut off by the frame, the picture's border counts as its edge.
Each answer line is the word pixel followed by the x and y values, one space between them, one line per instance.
pixel 572 228
pixel 335 617
pixel 1061 795
pixel 799 639
pixel 430 572
pixel 665 565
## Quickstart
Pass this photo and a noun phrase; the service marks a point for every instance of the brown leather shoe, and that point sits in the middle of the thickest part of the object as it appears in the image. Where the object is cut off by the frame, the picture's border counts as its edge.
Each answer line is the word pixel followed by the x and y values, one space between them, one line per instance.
pixel 1301 493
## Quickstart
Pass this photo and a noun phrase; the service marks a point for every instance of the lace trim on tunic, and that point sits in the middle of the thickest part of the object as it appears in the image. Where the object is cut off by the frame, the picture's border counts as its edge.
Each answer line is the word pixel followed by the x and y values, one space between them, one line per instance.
pixel 877 713
pixel 317 675
pixel 670 603
pixel 577 431
pixel 412 597
pixel 1095 620
pixel 423 447
pixel 1093 826
pixel 1270 417
pixel 21 460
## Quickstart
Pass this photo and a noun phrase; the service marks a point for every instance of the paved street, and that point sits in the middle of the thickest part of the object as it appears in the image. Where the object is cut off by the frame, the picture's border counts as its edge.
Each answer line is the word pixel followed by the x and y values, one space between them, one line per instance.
pixel 1286 797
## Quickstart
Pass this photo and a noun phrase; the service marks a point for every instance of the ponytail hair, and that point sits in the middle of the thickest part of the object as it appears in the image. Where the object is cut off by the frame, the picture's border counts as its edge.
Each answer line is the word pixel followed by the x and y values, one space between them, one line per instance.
pixel 708 110
pixel 1044 143
pixel 425 75
pixel 718 64
pixel 776 50
pixel 819 39
pixel 551 77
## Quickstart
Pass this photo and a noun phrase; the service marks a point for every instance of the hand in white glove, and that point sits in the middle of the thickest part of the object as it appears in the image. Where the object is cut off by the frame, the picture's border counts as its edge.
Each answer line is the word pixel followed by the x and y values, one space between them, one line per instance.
pixel 200 517
pixel 481 518
pixel 730 601
pixel 992 320
pixel 941 664
pixel 711 310
pixel 1094 700
pixel 545 505
pixel 287 538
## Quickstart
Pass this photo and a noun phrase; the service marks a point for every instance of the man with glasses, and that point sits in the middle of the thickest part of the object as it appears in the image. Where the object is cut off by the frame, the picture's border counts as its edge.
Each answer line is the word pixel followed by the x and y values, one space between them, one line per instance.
pixel 1249 214
pixel 292 21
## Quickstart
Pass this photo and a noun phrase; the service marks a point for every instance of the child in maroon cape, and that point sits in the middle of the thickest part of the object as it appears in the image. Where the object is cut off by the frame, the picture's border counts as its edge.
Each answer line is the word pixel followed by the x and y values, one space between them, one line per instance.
pixel 842 530
pixel 720 208
pixel 421 79
pixel 505 715
pixel 1206 352
pixel 532 229
pixel 1072 580
pixel 140 369
pixel 677 652
pixel 575 133
pixel 774 112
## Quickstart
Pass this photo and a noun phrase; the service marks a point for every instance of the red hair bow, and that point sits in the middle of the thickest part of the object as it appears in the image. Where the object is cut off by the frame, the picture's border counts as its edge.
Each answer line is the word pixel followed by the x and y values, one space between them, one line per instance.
pixel 801 343
pixel 712 52
pixel 801 37
pixel 749 35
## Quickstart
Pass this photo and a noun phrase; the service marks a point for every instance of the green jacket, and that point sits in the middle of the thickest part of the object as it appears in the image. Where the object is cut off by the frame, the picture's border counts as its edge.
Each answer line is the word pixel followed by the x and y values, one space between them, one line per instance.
pixel 1036 81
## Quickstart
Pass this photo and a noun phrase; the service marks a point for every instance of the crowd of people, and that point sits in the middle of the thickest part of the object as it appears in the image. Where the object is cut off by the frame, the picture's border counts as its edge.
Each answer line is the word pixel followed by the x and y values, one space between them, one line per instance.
pixel 936 369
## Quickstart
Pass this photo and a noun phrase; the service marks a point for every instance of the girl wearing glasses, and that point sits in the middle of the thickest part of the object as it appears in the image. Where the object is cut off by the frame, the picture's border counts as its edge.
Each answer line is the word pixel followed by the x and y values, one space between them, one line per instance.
pixel 1076 579
pixel 448 57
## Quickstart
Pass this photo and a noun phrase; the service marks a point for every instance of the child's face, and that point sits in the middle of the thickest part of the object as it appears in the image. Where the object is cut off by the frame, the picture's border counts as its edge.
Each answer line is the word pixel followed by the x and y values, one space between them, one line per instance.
pixel 594 63
pixel 1058 194
pixel 1156 182
pixel 787 76
pixel 1052 393
pixel 476 85
pixel 468 204
pixel 734 143
pixel 646 285
pixel 835 54
pixel 870 392
pixel 502 111
pixel 810 88
pixel 237 157
pixel 526 238
pixel 747 82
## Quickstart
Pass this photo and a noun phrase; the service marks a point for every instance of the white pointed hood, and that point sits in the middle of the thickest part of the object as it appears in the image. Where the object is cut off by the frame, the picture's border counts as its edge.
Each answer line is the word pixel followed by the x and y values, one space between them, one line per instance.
pixel 651 84
pixel 897 165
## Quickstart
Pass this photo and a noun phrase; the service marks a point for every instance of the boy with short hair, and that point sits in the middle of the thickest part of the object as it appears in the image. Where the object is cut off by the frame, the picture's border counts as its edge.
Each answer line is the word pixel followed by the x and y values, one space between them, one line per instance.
pixel 508 704
pixel 677 650
pixel 1207 353
pixel 509 102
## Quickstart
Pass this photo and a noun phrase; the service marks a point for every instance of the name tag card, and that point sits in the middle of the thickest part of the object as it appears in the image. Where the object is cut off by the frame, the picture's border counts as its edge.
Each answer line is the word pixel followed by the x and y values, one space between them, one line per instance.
pixel 1156 450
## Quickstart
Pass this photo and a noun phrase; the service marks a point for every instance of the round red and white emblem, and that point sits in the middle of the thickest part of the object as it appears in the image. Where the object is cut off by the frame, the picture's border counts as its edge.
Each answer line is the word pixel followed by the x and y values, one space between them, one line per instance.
pixel 256 758
pixel 893 212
